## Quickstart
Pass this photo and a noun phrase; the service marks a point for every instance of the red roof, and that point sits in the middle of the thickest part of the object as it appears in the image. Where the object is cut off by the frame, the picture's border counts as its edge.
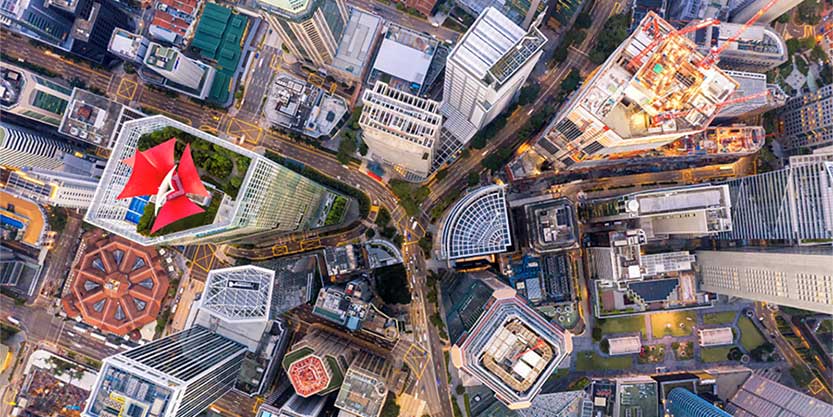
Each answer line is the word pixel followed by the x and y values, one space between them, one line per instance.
pixel 169 22
pixel 117 286
pixel 308 376
pixel 185 6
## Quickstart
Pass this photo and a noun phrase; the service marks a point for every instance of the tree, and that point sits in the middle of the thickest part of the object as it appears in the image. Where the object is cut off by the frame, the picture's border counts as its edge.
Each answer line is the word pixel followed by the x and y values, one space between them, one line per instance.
pixel 392 284
pixel 390 409
pixel 370 233
pixel 346 148
pixel 382 217
pixel 473 178
pixel 363 148
pixel 570 82
pixel 528 94
pixel 614 31
pixel 808 12
pixel 605 346
pixel 584 21
pixel 597 334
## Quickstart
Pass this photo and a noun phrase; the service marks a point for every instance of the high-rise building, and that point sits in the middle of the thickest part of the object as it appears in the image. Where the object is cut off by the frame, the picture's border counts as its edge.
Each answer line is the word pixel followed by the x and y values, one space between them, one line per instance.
pixel 316 364
pixel 185 73
pixel 761 396
pixel 477 225
pixel 808 121
pixel 746 9
pixel 400 129
pixel 693 211
pixel 485 71
pixel 500 340
pixel 53 188
pixel 752 84
pixel 310 29
pixel 523 13
pixel 262 195
pixel 295 406
pixel 19 272
pixel 793 204
pixel 684 403
pixel 364 389
pixel 21 148
pixel 26 94
pixel 652 90
pixel 758 49
pixel 176 376
pixel 798 277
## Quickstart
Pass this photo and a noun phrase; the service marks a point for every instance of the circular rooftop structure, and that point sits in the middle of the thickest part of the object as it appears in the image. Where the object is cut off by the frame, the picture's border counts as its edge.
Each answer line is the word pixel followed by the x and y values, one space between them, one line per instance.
pixel 239 294
pixel 477 225
pixel 117 286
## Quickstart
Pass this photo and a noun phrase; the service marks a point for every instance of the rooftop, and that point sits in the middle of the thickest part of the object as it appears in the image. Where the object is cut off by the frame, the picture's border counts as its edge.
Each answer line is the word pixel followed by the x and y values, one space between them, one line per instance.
pixel 94 119
pixel 477 225
pixel 24 218
pixel 239 294
pixel 357 41
pixel 161 57
pixel 715 337
pixel 117 286
pixel 553 224
pixel 362 393
pixel 636 397
pixel 761 396
pixel 405 56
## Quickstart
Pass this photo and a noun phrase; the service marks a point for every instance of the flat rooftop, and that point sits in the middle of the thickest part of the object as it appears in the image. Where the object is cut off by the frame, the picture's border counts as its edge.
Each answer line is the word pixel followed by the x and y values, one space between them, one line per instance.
pixel 516 355
pixel 354 49
pixel 23 214
pixel 404 55
pixel 93 118
pixel 361 394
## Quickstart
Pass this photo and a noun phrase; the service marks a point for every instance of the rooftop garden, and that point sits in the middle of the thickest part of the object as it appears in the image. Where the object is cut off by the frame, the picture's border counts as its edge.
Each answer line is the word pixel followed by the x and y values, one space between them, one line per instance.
pixel 190 222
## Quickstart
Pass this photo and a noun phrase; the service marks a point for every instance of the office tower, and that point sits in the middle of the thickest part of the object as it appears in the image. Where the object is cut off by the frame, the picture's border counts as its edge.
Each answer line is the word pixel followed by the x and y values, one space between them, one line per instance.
pixel 692 211
pixel 19 272
pixel 500 340
pixel 793 204
pixel 53 188
pixel 761 396
pixel 176 376
pixel 485 71
pixel 746 9
pixel 686 10
pixel 261 196
pixel 128 46
pixel 95 119
pixel 477 225
pixel 654 89
pixel 79 27
pixel 400 129
pixel 758 49
pixel 316 364
pixel 295 406
pixel 522 13
pixel 26 94
pixel 311 30
pixel 179 69
pixel 808 121
pixel 21 148
pixel 798 277
pixel 364 389
pixel 752 84
pixel 684 403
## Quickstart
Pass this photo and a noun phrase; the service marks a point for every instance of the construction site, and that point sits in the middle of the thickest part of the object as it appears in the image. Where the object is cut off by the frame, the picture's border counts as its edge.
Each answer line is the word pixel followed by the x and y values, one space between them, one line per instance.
pixel 653 90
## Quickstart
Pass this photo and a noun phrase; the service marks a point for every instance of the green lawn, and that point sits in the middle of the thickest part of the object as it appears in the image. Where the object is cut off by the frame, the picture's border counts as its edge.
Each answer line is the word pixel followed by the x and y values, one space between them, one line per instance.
pixel 624 325
pixel 589 361
pixel 715 354
pixel 720 318
pixel 750 337
pixel 660 323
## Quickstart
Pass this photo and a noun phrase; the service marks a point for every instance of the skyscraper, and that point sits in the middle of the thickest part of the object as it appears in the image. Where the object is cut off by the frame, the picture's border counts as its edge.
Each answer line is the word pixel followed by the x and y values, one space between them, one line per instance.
pixel 316 364
pixel 176 376
pixel 21 148
pixel 758 49
pixel 400 129
pixel 793 205
pixel 485 71
pixel 808 121
pixel 753 83
pixel 798 277
pixel 652 90
pixel 745 9
pixel 684 403
pixel 26 94
pixel 261 195
pixel 761 396
pixel 310 29
pixel 54 188
pixel 187 74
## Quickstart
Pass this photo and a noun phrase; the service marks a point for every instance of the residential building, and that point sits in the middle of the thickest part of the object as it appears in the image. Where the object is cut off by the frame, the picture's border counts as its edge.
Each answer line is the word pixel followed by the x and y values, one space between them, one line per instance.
pixel 310 29
pixel 752 84
pixel 693 210
pixel 793 205
pixel 761 396
pixel 364 389
pixel 758 49
pixel 744 10
pixel 26 94
pixel 684 403
pixel 316 364
pixel 269 196
pixel 176 376
pixel 21 148
pixel 81 28
pixel 53 188
pixel 115 285
pixel 485 71
pixel 400 129
pixel 808 121
pixel 182 73
pixel 476 226
pixel 638 100
pixel 499 340
pixel 522 13
pixel 797 277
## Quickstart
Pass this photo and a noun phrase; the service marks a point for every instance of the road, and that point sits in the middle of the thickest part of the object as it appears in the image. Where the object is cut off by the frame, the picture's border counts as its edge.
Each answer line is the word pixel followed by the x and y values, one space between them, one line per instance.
pixel 390 14
pixel 60 258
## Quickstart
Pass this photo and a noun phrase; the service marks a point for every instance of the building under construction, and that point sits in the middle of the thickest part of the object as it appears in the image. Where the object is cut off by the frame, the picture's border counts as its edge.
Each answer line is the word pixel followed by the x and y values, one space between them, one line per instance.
pixel 655 88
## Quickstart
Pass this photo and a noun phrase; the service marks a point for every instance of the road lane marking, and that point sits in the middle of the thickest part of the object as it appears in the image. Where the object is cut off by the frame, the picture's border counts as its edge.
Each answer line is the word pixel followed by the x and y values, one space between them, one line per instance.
pixel 127 89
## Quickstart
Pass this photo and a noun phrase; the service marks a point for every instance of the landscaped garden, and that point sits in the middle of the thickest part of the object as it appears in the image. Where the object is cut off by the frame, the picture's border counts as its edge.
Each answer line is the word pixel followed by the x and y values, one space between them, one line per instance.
pixel 652 354
pixel 336 213
pixel 589 361
pixel 720 318
pixel 750 337
pixel 683 351
pixel 630 324
pixel 676 324
pixel 715 354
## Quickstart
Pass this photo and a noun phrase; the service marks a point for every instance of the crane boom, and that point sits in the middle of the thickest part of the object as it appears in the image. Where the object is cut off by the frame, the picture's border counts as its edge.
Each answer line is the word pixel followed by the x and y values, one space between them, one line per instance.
pixel 714 54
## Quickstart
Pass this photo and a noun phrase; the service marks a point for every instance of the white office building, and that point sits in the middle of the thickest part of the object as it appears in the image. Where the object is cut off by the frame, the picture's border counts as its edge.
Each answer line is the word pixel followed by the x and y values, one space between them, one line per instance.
pixel 54 188
pixel 485 71
pixel 400 129
pixel 752 84
pixel 792 204
pixel 310 29
pixel 477 225
pixel 758 49
pixel 187 75
pixel 808 121
pixel 177 376
pixel 744 10
pixel 797 277
pixel 21 148
pixel 270 196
